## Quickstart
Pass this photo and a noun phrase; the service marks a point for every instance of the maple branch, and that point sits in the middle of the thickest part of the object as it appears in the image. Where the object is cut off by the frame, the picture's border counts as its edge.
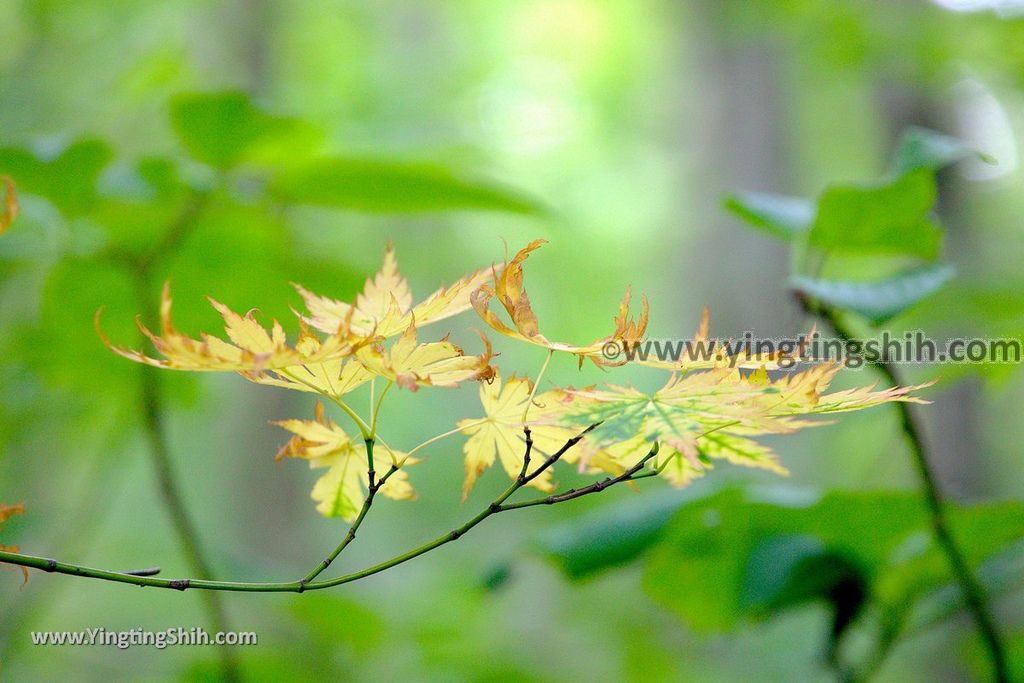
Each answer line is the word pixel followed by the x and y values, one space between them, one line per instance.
pixel 351 535
pixel 974 593
pixel 306 584
pixel 598 486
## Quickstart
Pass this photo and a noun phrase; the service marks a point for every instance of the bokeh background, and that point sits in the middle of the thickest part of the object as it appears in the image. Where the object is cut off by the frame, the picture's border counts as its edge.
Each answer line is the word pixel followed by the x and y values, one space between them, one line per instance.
pixel 612 129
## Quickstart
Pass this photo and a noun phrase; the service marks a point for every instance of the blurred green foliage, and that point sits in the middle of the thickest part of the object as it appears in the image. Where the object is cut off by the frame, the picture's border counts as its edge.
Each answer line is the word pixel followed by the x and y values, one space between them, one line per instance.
pixel 295 139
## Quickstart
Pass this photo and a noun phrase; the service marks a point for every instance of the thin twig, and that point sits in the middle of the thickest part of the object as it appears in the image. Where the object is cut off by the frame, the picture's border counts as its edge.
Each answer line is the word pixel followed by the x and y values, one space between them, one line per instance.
pixel 351 535
pixel 974 593
pixel 149 571
pixel 300 586
pixel 596 487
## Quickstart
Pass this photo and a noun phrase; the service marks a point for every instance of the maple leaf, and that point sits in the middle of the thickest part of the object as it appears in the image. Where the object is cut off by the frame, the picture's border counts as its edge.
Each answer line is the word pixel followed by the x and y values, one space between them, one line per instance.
pixel 702 352
pixel 6 512
pixel 10 205
pixel 499 435
pixel 313 438
pixel 251 349
pixel 384 307
pixel 709 415
pixel 341 490
pixel 411 365
pixel 511 295
pixel 334 377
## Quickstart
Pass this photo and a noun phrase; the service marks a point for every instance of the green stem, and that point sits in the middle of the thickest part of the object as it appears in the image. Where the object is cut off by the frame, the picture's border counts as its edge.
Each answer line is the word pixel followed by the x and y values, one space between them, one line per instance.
pixel 370 473
pixel 351 535
pixel 181 520
pixel 364 429
pixel 376 409
pixel 974 593
pixel 450 432
pixel 304 585
pixel 598 486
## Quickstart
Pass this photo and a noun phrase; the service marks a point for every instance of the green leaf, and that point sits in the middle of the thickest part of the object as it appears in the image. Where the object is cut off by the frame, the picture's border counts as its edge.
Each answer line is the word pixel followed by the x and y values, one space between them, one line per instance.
pixel 68 180
pixel 729 557
pixel 882 300
pixel 140 203
pixel 778 215
pixel 611 536
pixel 888 218
pixel 377 186
pixel 920 148
pixel 789 571
pixel 224 129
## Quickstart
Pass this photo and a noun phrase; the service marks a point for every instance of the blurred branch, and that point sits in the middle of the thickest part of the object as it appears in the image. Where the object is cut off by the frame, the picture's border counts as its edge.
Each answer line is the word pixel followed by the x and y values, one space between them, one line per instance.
pixel 303 585
pixel 153 427
pixel 974 593
pixel 181 520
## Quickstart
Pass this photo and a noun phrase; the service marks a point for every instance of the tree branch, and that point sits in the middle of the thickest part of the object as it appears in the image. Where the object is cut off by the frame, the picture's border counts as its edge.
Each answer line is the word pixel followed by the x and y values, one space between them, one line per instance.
pixel 974 593
pixel 153 427
pixel 308 583
pixel 351 535
pixel 596 487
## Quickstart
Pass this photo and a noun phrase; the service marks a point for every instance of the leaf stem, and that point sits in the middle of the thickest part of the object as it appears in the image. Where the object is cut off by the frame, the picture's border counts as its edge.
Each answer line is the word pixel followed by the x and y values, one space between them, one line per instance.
pixel 364 429
pixel 536 383
pixel 376 408
pixel 596 487
pixel 445 435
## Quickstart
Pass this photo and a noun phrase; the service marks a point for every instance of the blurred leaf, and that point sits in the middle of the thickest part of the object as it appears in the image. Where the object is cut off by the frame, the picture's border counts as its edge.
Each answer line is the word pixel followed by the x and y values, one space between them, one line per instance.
pixel 497 576
pixel 377 186
pixel 141 204
pixel 610 536
pixel 75 359
pixel 778 215
pixel 892 217
pixel 67 180
pixel 706 566
pixel 920 148
pixel 790 571
pixel 225 128
pixel 878 301
pixel 1000 576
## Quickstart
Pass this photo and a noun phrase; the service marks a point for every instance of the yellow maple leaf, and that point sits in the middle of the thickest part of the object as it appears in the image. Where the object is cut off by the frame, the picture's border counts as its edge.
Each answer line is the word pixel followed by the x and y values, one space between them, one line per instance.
pixel 499 435
pixel 384 307
pixel 6 512
pixel 341 490
pixel 334 377
pixel 711 415
pixel 702 352
pixel 10 205
pixel 510 293
pixel 251 349
pixel 411 365
pixel 312 438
